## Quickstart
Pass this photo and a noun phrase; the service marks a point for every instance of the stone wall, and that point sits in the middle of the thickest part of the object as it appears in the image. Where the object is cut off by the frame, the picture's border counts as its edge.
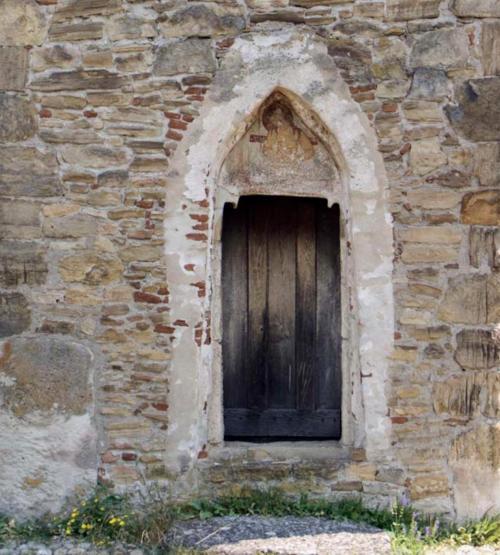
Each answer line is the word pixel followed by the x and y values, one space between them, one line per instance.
pixel 97 98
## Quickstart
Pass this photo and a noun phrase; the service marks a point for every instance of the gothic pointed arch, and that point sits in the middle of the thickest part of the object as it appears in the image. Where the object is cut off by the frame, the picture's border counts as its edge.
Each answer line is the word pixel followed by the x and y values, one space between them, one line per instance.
pixel 277 107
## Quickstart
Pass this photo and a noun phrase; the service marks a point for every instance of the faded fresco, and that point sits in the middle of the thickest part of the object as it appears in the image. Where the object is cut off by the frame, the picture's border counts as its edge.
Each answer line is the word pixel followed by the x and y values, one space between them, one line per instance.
pixel 279 150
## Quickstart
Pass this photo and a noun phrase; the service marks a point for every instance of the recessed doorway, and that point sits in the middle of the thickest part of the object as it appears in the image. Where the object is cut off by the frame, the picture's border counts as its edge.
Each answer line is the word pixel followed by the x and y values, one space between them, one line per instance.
pixel 281 311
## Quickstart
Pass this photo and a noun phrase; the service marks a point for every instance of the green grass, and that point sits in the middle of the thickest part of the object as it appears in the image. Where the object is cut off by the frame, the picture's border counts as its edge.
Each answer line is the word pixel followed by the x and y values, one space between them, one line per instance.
pixel 105 518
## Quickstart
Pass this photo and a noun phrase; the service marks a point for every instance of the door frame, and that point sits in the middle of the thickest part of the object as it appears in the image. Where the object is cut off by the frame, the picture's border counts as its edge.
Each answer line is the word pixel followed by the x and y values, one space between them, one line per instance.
pixel 351 393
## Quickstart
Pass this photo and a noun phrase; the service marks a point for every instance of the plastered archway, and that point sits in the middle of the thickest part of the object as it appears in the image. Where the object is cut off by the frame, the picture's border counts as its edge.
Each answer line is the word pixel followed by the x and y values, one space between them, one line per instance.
pixel 255 66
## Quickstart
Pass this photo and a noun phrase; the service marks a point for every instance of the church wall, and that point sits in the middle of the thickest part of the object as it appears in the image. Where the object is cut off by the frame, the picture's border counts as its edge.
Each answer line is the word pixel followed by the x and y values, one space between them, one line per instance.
pixel 109 113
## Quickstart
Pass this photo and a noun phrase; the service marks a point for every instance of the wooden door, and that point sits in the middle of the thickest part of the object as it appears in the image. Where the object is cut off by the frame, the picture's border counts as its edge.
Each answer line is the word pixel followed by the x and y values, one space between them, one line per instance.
pixel 281 343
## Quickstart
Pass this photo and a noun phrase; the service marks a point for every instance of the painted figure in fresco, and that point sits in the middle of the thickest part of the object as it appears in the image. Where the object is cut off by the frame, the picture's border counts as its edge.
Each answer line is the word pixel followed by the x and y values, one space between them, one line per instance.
pixel 285 142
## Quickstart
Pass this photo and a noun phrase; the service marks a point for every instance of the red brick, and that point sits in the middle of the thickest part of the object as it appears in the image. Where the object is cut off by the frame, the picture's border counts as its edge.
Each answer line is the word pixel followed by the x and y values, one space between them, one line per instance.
pixel 144 203
pixel 174 135
pixel 172 115
pixel 163 328
pixel 199 217
pixel 140 297
pixel 45 113
pixel 109 458
pixel 90 114
pixel 129 456
pixel 197 237
pixel 181 323
pixel 177 124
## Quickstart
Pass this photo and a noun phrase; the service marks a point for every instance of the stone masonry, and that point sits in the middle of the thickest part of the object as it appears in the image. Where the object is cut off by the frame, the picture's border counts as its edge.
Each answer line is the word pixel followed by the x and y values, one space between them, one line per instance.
pixel 101 102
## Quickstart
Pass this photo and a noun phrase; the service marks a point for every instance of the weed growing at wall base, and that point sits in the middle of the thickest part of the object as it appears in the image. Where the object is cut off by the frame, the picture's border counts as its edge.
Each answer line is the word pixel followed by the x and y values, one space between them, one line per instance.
pixel 105 518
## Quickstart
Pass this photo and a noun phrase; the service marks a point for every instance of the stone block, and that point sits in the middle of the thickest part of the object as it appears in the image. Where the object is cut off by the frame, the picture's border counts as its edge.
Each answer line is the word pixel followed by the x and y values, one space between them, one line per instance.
pixel 459 395
pixel 478 349
pixel 141 254
pixel 15 314
pixel 76 31
pixel 64 102
pixel 472 299
pixel 455 179
pixel 46 375
pixel 17 118
pixel 433 200
pixel 190 56
pixel 22 263
pixel 475 461
pixel 434 485
pixel 481 208
pixel 490 47
pixel 428 84
pixel 23 22
pixel 14 68
pixel 70 9
pixel 19 220
pixel 442 235
pixel 64 56
pixel 423 111
pixel 426 156
pixel 492 406
pixel 126 27
pixel 96 156
pixel 478 8
pixel 71 227
pixel 442 49
pixel 361 472
pixel 487 164
pixel 91 268
pixel 204 20
pixel 484 247
pixel 429 254
pixel 476 116
pixel 407 10
pixel 95 79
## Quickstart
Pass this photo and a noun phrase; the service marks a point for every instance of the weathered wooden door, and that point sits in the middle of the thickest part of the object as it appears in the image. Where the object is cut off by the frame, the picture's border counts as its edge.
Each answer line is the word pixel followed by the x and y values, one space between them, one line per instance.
pixel 281 304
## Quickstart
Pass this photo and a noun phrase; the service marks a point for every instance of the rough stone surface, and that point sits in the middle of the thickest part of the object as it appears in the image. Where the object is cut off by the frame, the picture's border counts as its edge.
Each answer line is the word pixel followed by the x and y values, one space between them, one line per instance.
pixel 481 8
pixel 204 20
pixel 17 118
pixel 190 56
pixel 15 314
pixel 443 49
pixel 90 268
pixel 96 156
pixel 459 396
pixel 26 171
pixel 23 22
pixel 14 68
pixel 22 264
pixel 406 10
pixel 472 300
pixel 61 55
pixel 286 535
pixel 481 208
pixel 478 349
pixel 44 374
pixel 477 114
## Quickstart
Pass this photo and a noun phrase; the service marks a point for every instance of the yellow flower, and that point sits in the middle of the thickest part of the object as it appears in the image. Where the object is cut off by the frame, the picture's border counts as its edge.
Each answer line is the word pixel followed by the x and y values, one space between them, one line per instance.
pixel 72 520
pixel 89 526
pixel 68 532
pixel 96 500
pixel 122 523
pixel 113 520
pixel 100 543
pixel 83 504
pixel 102 508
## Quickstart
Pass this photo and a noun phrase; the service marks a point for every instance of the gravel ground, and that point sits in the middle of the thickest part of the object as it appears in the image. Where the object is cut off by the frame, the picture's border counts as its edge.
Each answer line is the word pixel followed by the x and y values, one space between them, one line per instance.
pixel 251 535
pixel 284 536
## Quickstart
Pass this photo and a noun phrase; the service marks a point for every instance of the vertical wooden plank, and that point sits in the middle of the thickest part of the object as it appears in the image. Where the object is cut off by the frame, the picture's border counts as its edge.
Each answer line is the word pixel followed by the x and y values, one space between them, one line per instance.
pixel 257 343
pixel 234 305
pixel 281 302
pixel 306 304
pixel 328 335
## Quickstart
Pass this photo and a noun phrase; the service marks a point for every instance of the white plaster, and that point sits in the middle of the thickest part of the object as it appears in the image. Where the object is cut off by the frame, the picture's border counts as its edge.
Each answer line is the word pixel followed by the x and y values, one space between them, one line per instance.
pixel 255 66
pixel 41 465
